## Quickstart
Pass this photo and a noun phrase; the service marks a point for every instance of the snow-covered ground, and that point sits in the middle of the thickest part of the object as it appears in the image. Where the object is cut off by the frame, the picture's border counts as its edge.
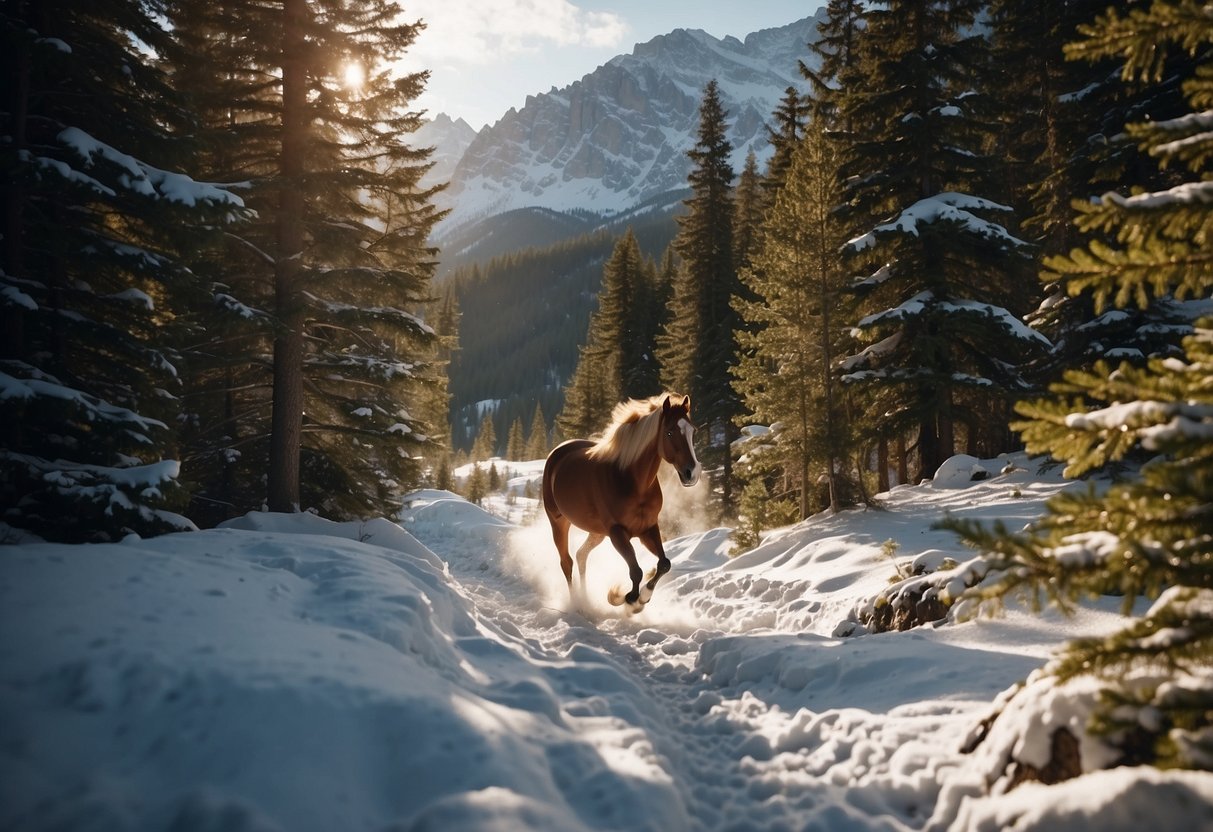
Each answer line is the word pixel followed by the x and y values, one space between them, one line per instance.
pixel 288 673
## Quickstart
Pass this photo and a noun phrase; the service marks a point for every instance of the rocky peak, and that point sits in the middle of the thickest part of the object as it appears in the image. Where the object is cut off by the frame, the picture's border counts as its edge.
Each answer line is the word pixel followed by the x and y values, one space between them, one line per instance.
pixel 619 135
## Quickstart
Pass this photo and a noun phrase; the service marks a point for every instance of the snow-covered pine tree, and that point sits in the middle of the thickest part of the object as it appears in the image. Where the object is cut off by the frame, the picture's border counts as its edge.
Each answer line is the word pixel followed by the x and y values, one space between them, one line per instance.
pixel 942 283
pixel 333 273
pixel 1061 139
pixel 1151 535
pixel 91 278
pixel 785 373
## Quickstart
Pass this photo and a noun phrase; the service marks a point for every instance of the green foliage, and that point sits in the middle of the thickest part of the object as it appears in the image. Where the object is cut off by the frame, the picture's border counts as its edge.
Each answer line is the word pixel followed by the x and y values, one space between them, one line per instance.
pixel 758 513
pixel 1151 535
pixel 697 343
pixel 314 337
pixel 785 372
pixel 94 239
pixel 486 439
pixel 943 280
pixel 537 437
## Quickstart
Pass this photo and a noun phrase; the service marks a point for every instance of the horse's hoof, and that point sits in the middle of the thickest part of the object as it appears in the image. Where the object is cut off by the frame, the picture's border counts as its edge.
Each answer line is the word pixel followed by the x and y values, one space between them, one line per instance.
pixel 636 607
pixel 646 593
pixel 615 595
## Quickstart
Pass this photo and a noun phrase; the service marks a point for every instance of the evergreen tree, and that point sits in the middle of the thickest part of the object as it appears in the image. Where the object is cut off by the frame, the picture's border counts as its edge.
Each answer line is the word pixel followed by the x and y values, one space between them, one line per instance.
pixel 838 52
pixel 477 486
pixel 1061 139
pixel 786 371
pixel 616 361
pixel 515 445
pixel 789 117
pixel 1151 533
pixel 91 271
pixel 331 276
pixel 942 286
pixel 749 208
pixel 485 447
pixel 537 438
pixel 698 342
pixel 443 479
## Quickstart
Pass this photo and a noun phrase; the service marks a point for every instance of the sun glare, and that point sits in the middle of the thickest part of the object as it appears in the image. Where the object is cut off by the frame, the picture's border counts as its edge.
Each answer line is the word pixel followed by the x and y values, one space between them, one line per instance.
pixel 354 75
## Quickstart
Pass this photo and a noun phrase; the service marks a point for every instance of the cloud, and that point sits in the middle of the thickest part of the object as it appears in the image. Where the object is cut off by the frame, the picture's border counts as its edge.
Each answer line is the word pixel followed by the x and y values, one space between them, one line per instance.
pixel 480 31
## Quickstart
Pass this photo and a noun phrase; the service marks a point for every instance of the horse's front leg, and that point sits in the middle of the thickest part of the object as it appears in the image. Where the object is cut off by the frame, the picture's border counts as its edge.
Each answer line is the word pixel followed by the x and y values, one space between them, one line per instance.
pixel 623 544
pixel 651 538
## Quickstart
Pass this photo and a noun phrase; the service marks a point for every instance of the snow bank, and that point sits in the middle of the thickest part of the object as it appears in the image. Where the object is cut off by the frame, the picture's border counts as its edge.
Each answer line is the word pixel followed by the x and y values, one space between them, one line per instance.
pixel 282 674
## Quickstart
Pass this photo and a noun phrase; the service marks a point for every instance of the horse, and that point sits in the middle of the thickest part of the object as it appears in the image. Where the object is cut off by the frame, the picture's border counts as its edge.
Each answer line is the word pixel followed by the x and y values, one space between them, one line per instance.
pixel 609 488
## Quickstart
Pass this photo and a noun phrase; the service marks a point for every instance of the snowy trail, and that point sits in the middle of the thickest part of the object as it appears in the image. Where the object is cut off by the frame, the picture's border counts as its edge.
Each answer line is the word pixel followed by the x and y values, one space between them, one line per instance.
pixel 718 745
pixel 285 672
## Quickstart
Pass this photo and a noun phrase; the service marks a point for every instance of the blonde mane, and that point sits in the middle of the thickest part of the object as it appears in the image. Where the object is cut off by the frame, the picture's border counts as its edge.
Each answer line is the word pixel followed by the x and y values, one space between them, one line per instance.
pixel 633 428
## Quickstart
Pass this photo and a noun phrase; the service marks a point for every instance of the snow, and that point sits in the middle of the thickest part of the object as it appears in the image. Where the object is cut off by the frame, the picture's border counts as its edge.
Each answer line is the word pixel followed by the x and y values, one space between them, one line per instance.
pixel 143 178
pixel 943 207
pixel 284 672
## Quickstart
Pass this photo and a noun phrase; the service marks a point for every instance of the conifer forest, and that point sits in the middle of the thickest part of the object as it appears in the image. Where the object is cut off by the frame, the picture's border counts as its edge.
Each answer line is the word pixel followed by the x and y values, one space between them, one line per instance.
pixel 983 227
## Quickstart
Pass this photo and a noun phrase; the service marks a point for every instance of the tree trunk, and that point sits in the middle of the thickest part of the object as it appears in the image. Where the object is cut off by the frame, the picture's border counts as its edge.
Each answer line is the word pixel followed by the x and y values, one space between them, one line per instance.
pixel 903 463
pixel 882 464
pixel 286 422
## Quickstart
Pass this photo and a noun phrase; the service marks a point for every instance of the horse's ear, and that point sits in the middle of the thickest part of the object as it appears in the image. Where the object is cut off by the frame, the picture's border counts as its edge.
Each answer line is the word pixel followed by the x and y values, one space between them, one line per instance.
pixel 686 402
pixel 665 406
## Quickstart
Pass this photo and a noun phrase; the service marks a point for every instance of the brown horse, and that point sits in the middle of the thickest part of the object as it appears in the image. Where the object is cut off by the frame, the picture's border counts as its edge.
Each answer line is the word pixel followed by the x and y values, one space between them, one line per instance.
pixel 609 488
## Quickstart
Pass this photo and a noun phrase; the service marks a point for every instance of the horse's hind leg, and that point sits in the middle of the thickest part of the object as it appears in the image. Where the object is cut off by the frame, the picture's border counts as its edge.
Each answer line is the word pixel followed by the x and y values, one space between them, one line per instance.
pixel 560 535
pixel 583 554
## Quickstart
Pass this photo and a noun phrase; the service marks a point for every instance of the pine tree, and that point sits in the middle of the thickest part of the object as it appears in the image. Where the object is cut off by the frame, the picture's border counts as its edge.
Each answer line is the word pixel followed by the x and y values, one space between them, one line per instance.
pixel 477 486
pixel 537 438
pixel 790 118
pixel 1061 139
pixel 515 446
pixel 942 283
pixel 786 371
pixel 332 275
pixel 91 271
pixel 1152 533
pixel 749 207
pixel 485 447
pixel 698 343
pixel 838 52
pixel 615 362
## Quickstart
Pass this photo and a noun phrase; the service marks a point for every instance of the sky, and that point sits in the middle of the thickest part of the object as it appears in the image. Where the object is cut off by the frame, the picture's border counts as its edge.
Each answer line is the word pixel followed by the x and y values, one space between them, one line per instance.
pixel 486 56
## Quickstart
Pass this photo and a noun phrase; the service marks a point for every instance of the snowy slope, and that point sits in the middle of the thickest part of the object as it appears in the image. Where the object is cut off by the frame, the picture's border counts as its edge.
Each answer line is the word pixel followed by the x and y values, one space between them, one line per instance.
pixel 287 673
pixel 619 136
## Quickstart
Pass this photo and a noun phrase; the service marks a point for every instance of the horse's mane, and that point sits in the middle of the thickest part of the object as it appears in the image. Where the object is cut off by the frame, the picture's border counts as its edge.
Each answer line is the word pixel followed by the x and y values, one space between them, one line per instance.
pixel 633 428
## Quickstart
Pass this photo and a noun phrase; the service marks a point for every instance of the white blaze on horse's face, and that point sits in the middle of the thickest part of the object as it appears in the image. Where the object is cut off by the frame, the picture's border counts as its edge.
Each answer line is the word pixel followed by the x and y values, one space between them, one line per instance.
pixel 690 477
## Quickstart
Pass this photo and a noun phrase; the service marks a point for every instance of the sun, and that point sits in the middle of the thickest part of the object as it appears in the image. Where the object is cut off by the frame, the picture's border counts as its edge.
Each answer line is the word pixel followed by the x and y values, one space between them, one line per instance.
pixel 353 75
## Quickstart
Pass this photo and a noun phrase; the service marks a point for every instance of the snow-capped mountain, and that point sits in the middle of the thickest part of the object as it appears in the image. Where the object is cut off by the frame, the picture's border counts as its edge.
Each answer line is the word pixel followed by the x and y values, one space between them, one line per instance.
pixel 619 136
pixel 449 138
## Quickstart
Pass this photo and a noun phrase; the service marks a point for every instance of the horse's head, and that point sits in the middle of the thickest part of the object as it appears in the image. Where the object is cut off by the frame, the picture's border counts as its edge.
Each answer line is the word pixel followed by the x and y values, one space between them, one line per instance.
pixel 676 442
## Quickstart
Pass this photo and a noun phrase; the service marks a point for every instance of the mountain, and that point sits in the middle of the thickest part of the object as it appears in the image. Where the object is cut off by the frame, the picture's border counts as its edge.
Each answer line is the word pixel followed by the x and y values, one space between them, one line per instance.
pixel 449 138
pixel 619 136
pixel 538 198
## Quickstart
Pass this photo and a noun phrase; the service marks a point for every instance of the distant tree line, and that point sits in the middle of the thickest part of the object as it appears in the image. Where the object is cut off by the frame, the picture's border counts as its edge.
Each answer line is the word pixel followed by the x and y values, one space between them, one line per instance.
pixel 174 349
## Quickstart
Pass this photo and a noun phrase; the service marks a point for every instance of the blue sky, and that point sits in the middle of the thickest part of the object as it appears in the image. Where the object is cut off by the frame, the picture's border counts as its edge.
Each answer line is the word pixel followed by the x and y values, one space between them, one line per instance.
pixel 486 56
